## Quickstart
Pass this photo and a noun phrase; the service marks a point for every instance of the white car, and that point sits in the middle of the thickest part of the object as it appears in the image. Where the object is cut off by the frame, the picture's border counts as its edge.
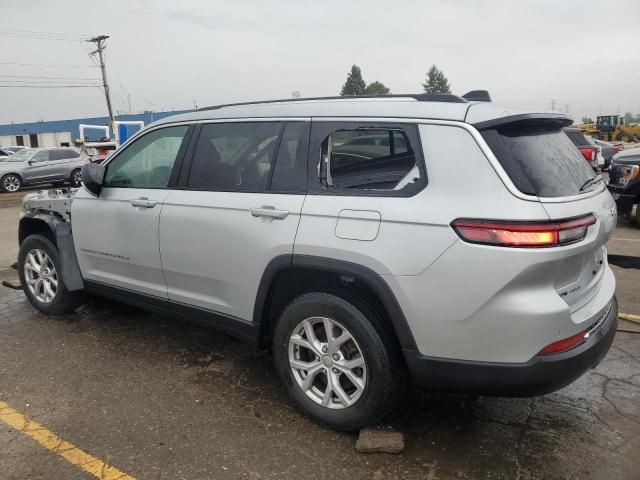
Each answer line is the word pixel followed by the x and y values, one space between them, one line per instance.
pixel 364 241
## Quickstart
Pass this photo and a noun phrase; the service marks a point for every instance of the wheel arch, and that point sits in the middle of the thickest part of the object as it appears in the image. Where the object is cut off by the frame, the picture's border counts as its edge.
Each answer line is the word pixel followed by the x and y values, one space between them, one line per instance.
pixel 37 223
pixel 4 174
pixel 289 276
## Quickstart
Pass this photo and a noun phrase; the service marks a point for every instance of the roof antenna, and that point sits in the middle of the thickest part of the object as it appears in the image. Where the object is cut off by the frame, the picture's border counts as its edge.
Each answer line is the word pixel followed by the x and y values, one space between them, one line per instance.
pixel 477 96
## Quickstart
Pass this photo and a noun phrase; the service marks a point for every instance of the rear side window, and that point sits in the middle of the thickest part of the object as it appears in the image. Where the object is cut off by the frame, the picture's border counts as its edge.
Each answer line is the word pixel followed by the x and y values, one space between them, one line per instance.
pixel 540 159
pixel 577 138
pixel 234 156
pixel 370 159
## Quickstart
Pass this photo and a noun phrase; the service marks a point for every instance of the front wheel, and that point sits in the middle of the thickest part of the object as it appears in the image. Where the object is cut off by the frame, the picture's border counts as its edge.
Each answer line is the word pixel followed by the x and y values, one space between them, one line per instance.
pixel 336 361
pixel 39 269
pixel 11 183
pixel 76 178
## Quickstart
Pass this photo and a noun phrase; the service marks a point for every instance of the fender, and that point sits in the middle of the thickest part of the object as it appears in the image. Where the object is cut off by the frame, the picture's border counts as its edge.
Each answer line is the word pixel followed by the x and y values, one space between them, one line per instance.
pixel 33 221
pixel 339 267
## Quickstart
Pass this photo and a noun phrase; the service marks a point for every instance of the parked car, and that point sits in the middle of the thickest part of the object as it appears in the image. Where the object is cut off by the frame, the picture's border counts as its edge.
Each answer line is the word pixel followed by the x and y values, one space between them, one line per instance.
pixel 4 154
pixel 624 181
pixel 608 150
pixel 13 149
pixel 470 259
pixel 40 165
pixel 589 150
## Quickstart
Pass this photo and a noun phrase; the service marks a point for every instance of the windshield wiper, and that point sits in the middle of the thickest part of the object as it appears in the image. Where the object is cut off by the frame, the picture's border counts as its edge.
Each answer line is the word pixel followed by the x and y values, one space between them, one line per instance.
pixel 591 181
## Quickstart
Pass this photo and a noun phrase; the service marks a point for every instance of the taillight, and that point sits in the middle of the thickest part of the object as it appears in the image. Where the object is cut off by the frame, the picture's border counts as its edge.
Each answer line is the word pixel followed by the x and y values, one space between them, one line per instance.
pixel 616 148
pixel 523 234
pixel 589 153
pixel 564 344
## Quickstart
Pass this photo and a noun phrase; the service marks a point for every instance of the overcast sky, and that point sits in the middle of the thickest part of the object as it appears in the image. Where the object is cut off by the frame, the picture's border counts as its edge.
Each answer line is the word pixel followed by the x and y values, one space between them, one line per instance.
pixel 166 54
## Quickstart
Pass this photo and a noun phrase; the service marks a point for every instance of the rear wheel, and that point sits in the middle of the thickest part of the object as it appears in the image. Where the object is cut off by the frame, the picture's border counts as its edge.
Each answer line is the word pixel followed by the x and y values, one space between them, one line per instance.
pixel 625 137
pixel 39 270
pixel 11 183
pixel 76 178
pixel 336 361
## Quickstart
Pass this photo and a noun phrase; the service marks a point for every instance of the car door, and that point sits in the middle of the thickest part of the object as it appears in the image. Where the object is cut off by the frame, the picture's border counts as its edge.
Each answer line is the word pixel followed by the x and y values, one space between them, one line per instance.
pixel 235 212
pixel 116 234
pixel 37 168
pixel 58 163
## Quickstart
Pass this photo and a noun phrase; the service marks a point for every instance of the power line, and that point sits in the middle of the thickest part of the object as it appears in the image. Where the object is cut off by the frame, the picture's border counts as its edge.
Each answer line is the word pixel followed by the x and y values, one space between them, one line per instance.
pixel 34 37
pixel 13 30
pixel 50 78
pixel 49 86
pixel 48 65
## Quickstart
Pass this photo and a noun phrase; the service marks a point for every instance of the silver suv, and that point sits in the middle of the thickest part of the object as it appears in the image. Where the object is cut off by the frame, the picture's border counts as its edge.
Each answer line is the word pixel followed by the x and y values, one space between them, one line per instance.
pixel 32 166
pixel 365 241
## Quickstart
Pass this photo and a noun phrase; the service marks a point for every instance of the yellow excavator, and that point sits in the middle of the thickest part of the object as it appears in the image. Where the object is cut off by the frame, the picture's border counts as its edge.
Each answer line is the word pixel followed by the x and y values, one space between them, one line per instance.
pixel 612 128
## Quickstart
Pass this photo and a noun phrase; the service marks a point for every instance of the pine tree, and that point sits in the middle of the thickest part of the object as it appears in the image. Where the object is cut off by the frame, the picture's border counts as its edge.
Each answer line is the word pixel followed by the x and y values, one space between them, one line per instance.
pixel 436 82
pixel 377 88
pixel 354 85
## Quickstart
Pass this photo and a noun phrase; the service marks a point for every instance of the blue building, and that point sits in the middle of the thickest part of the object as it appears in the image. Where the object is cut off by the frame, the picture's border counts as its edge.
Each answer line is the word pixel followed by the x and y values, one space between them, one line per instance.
pixel 63 133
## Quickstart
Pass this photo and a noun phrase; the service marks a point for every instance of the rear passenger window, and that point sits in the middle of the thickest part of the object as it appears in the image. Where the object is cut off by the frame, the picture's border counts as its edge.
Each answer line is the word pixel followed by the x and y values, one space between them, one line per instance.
pixel 290 171
pixel 234 156
pixel 374 159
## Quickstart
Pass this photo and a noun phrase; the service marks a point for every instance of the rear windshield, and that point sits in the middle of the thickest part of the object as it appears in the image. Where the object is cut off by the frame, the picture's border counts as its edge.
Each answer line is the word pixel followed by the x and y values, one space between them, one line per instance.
pixel 540 160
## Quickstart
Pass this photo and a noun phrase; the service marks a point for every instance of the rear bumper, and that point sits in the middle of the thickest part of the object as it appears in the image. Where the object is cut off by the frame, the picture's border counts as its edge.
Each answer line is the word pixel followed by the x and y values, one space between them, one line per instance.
pixel 538 376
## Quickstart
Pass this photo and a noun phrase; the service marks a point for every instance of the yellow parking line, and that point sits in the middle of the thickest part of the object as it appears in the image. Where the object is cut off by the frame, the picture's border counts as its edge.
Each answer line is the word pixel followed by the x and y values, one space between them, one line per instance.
pixel 629 317
pixel 626 239
pixel 57 445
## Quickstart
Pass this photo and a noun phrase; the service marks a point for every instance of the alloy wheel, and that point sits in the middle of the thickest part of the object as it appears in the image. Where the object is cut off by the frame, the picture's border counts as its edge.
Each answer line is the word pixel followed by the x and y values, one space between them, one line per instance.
pixel 76 180
pixel 327 363
pixel 11 183
pixel 41 276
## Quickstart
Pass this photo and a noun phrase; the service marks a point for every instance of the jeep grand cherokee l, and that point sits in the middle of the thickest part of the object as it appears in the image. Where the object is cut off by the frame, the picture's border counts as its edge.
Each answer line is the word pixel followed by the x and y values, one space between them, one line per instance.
pixel 365 241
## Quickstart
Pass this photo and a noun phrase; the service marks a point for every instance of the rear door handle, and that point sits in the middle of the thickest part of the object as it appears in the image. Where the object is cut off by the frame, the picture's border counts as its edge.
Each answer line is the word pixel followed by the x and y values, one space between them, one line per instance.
pixel 143 202
pixel 270 212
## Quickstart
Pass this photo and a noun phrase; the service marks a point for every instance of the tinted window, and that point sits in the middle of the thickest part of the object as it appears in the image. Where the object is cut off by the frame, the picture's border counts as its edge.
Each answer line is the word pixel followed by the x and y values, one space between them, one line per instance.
pixel 148 161
pixel 42 156
pixel 234 156
pixel 62 154
pixel 577 138
pixel 368 159
pixel 540 160
pixel 290 172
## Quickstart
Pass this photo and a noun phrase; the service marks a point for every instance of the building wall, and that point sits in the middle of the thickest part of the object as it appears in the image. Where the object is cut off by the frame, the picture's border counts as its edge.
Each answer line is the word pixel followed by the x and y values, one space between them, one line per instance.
pixel 63 131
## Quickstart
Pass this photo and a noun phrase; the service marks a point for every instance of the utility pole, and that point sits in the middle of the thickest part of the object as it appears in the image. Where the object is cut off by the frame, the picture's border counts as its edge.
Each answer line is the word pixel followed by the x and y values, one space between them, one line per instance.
pixel 99 41
pixel 129 100
pixel 553 105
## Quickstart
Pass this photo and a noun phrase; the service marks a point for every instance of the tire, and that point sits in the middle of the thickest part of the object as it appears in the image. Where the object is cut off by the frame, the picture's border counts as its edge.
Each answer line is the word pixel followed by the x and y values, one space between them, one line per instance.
pixel 39 250
pixel 638 215
pixel 625 137
pixel 76 178
pixel 381 378
pixel 10 183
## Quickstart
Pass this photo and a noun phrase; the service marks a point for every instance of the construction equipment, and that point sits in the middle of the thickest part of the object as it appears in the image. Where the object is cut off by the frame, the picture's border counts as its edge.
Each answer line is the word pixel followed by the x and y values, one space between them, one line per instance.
pixel 612 128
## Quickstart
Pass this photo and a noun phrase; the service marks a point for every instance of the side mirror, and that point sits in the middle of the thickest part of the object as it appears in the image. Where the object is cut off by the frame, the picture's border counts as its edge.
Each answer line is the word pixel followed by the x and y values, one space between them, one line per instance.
pixel 92 177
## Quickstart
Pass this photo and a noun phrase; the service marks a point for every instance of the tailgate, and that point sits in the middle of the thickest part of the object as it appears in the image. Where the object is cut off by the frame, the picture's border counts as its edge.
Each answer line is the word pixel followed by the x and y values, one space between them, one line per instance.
pixel 581 272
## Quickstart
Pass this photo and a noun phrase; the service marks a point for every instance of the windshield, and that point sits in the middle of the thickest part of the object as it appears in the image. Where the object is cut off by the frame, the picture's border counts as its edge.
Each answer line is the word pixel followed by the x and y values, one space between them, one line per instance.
pixel 21 155
pixel 541 160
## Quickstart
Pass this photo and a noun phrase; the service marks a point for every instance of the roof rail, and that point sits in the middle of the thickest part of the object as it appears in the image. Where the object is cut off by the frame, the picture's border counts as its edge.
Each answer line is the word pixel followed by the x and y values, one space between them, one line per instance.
pixel 421 97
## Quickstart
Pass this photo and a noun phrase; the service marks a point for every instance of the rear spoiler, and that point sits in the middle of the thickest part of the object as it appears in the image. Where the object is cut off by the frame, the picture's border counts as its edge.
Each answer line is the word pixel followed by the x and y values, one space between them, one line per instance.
pixel 560 119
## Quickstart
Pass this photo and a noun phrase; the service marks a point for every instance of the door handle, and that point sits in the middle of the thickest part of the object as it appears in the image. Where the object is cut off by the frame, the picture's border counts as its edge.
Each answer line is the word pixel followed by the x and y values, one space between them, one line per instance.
pixel 143 202
pixel 270 212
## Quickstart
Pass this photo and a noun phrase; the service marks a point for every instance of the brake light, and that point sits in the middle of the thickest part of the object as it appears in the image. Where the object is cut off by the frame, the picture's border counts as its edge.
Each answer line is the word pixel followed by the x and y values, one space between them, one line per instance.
pixel 589 153
pixel 616 148
pixel 523 234
pixel 563 345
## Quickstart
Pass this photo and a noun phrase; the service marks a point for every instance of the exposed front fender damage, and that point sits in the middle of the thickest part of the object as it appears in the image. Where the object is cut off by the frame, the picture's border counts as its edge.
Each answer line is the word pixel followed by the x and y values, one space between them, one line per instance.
pixel 48 212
